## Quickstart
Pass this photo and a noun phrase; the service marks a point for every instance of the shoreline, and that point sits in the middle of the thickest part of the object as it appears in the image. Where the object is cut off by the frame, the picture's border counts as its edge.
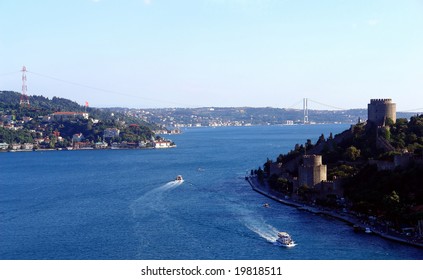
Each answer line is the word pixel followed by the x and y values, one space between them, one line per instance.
pixel 348 219
pixel 83 149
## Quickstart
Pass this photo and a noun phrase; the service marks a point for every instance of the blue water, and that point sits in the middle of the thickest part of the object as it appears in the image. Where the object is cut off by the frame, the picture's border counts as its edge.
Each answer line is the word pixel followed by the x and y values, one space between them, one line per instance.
pixel 123 204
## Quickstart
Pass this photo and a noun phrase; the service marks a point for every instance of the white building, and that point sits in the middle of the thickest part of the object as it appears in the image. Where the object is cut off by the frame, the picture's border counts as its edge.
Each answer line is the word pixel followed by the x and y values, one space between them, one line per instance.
pixel 4 146
pixel 66 116
pixel 161 144
pixel 111 133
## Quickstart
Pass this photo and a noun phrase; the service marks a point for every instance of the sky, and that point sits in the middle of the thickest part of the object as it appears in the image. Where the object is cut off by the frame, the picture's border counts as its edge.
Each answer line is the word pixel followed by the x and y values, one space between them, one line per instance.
pixel 215 53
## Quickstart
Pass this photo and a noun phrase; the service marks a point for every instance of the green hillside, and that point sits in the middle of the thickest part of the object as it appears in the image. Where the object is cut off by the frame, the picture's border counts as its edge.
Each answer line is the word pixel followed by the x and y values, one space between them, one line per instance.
pixel 22 124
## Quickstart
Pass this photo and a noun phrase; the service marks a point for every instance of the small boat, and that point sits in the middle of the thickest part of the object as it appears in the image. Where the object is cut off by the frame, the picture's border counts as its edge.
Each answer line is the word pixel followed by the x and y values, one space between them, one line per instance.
pixel 266 205
pixel 360 229
pixel 285 240
pixel 179 178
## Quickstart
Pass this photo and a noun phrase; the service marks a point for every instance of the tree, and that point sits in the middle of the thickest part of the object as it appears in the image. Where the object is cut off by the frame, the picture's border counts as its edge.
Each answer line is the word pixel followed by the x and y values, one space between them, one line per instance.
pixel 53 141
pixel 321 139
pixel 393 207
pixel 308 144
pixel 389 122
pixel 342 171
pixel 352 153
pixel 304 192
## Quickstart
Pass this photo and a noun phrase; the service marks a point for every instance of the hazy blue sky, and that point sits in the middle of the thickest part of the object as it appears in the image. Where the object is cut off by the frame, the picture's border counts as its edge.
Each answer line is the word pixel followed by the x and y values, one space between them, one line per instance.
pixel 191 53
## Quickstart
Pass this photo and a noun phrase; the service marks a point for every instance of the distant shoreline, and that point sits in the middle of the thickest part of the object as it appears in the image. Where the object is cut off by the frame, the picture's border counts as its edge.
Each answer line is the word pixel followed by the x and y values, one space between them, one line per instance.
pixel 91 149
pixel 347 218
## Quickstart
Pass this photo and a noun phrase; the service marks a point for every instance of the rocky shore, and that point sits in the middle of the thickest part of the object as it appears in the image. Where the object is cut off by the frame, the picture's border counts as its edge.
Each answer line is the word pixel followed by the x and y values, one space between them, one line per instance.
pixel 349 218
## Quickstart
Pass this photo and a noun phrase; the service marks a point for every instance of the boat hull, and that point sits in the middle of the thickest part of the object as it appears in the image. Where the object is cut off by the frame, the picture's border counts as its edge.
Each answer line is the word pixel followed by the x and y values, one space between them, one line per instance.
pixel 289 245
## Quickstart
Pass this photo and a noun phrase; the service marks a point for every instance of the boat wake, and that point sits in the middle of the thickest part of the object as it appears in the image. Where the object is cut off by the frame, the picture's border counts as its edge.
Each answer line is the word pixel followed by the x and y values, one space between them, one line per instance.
pixel 152 213
pixel 253 221
pixel 262 229
pixel 168 186
pixel 152 199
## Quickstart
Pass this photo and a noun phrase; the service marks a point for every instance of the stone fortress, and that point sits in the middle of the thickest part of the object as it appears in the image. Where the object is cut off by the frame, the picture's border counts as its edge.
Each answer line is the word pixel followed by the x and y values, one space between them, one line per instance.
pixel 379 110
pixel 312 173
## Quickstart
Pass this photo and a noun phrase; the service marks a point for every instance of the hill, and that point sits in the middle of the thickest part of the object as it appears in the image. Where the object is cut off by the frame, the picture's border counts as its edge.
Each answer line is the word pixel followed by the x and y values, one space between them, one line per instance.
pixel 244 116
pixel 53 123
pixel 373 171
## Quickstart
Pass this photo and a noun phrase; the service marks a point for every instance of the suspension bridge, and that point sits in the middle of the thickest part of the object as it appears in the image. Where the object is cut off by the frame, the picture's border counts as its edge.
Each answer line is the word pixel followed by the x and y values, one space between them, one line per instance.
pixel 315 105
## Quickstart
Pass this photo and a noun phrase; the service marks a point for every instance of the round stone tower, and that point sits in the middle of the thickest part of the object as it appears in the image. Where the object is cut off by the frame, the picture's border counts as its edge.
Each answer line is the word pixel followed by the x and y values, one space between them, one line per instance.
pixel 312 160
pixel 379 110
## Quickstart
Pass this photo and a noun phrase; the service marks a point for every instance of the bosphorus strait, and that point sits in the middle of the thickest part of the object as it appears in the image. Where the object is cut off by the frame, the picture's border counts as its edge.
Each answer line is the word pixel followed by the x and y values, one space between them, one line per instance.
pixel 125 204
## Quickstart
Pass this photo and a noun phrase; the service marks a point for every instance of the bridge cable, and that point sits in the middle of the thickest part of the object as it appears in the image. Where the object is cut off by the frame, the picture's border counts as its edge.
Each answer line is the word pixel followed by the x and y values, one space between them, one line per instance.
pixel 326 105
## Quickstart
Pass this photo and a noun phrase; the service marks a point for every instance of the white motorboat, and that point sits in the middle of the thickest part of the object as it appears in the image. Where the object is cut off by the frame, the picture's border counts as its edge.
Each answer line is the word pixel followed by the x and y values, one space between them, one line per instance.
pixel 285 240
pixel 179 178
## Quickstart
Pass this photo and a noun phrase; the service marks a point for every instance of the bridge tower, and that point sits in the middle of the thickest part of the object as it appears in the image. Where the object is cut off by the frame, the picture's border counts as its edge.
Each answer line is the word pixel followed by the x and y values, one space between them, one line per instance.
pixel 305 108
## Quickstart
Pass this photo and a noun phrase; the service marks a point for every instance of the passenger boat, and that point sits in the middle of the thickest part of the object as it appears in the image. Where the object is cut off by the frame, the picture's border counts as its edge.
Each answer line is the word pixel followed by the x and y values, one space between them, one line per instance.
pixel 179 178
pixel 285 240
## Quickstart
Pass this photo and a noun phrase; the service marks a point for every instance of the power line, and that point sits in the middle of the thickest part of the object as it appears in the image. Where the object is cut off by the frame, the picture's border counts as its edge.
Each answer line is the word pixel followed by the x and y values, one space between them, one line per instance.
pixel 9 73
pixel 105 90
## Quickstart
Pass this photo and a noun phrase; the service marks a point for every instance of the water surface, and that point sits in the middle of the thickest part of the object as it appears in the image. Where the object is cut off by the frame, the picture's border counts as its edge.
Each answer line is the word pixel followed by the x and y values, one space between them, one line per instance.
pixel 124 204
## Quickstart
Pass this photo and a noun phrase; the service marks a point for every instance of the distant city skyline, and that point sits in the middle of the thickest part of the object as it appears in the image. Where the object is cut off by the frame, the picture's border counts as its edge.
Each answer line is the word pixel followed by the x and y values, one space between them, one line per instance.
pixel 215 53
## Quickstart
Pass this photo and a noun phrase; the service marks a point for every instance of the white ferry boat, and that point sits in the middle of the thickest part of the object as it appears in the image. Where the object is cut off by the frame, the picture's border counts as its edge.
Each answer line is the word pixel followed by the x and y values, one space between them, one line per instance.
pixel 179 178
pixel 285 240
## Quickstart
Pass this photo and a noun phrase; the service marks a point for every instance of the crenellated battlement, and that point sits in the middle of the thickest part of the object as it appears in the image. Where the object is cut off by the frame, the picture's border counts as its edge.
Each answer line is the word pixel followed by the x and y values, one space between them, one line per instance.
pixel 381 100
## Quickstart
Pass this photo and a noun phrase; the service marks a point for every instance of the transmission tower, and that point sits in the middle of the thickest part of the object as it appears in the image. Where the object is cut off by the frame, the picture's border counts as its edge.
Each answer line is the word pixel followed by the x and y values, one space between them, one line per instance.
pixel 24 98
pixel 305 107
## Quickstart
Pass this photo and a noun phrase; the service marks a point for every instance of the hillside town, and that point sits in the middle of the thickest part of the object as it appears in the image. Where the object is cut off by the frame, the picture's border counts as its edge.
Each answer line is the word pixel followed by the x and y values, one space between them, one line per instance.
pixel 25 128
pixel 238 116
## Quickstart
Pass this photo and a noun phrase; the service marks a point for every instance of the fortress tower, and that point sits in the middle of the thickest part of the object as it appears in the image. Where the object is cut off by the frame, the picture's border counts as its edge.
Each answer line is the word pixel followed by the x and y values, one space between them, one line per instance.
pixel 312 171
pixel 379 110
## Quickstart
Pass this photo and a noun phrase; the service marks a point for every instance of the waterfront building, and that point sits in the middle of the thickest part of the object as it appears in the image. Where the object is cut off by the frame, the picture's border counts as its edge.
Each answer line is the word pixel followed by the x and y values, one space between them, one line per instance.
pixel 4 146
pixel 27 146
pixel 16 146
pixel 101 145
pixel 160 144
